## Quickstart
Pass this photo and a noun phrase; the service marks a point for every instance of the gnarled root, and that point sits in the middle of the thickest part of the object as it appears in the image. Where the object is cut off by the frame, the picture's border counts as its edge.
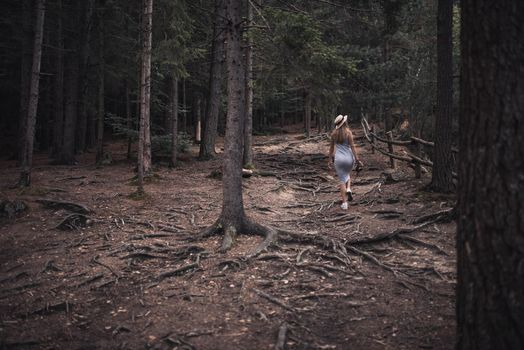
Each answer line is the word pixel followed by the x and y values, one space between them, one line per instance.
pixel 269 233
pixel 230 233
pixel 247 226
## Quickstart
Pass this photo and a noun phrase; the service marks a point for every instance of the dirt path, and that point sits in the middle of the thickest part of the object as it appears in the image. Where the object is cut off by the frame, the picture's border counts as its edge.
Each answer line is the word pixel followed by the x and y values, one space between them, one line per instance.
pixel 132 280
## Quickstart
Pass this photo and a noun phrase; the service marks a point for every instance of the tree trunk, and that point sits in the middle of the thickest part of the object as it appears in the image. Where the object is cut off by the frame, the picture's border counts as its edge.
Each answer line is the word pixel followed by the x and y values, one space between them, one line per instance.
pixel 442 178
pixel 173 117
pixel 87 9
pixel 144 164
pixel 71 74
pixel 207 146
pixel 129 118
pixel 198 129
pixel 233 206
pixel 27 156
pixel 248 127
pixel 307 114
pixel 101 86
pixel 184 107
pixel 58 120
pixel 490 244
pixel 25 74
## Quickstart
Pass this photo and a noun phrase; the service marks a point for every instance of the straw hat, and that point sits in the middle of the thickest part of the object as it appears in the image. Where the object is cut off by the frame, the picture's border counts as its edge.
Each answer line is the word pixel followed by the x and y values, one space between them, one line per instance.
pixel 340 120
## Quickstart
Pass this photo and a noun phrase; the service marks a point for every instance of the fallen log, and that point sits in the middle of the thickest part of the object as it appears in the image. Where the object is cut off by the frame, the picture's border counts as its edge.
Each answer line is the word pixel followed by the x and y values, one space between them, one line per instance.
pixel 55 204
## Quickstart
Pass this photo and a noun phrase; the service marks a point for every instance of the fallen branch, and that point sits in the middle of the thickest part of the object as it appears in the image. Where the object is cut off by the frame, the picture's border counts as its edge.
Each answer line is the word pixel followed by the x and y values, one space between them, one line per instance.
pixel 440 216
pixel 90 279
pixel 273 300
pixel 281 340
pixel 74 207
pixel 73 222
pixel 50 308
pixel 177 272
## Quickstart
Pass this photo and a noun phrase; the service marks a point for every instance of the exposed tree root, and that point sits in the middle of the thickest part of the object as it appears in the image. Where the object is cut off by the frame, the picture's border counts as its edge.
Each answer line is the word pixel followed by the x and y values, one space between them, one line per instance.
pixel 281 340
pixel 446 215
pixel 74 207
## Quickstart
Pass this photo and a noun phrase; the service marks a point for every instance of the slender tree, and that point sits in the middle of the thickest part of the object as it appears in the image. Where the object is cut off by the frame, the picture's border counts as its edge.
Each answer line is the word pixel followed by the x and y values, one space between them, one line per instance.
pixel 248 127
pixel 27 155
pixel 233 219
pixel 233 205
pixel 173 118
pixel 58 105
pixel 490 244
pixel 442 178
pixel 25 73
pixel 71 84
pixel 84 54
pixel 145 92
pixel 207 146
pixel 101 84
pixel 307 112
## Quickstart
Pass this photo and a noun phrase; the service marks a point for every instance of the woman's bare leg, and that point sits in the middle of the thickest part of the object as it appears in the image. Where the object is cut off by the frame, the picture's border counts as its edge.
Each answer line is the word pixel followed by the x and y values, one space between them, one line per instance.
pixel 343 193
pixel 348 184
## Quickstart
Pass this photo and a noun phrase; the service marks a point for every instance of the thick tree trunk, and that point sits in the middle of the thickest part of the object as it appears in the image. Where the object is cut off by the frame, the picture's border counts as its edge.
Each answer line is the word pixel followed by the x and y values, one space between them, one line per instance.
pixel 173 118
pixel 248 127
pixel 233 205
pixel 144 164
pixel 442 178
pixel 71 74
pixel 27 156
pixel 101 86
pixel 25 74
pixel 207 146
pixel 490 244
pixel 87 9
pixel 58 120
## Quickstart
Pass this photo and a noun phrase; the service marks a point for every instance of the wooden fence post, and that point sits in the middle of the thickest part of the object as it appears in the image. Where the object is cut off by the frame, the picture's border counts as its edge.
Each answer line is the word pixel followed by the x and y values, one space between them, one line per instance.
pixel 390 149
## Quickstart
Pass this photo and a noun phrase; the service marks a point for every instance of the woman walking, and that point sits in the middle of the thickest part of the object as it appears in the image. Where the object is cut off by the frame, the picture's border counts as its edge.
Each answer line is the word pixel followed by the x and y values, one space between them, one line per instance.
pixel 343 153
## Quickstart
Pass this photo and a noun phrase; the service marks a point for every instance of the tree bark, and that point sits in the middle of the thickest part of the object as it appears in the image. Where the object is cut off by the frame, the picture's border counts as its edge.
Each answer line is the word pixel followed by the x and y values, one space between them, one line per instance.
pixel 129 118
pixel 144 156
pixel 442 178
pixel 27 156
pixel 248 127
pixel 71 74
pixel 198 128
pixel 307 114
pixel 58 108
pixel 173 117
pixel 87 10
pixel 233 205
pixel 101 86
pixel 184 107
pixel 25 74
pixel 207 146
pixel 490 243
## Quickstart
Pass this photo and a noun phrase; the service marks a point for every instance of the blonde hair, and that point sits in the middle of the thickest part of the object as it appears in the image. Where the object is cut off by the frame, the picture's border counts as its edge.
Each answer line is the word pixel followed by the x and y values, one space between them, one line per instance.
pixel 341 134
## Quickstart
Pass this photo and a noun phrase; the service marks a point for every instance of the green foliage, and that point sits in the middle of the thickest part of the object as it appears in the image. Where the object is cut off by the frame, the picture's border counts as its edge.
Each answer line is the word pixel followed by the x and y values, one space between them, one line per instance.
pixel 160 143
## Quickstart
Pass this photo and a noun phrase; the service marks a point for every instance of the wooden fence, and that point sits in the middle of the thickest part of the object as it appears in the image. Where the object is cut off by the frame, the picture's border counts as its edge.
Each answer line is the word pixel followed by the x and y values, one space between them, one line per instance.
pixel 416 159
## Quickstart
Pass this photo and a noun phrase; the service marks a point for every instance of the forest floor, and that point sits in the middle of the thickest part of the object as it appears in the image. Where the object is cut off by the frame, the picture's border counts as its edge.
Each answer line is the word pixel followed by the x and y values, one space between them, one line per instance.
pixel 133 278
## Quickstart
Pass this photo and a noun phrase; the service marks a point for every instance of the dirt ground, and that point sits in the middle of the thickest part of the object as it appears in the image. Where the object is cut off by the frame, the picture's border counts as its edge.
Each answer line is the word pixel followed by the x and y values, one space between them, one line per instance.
pixel 134 279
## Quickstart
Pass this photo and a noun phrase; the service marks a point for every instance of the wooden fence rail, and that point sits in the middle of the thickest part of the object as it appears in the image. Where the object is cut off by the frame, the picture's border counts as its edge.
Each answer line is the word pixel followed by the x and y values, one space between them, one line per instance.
pixel 415 159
